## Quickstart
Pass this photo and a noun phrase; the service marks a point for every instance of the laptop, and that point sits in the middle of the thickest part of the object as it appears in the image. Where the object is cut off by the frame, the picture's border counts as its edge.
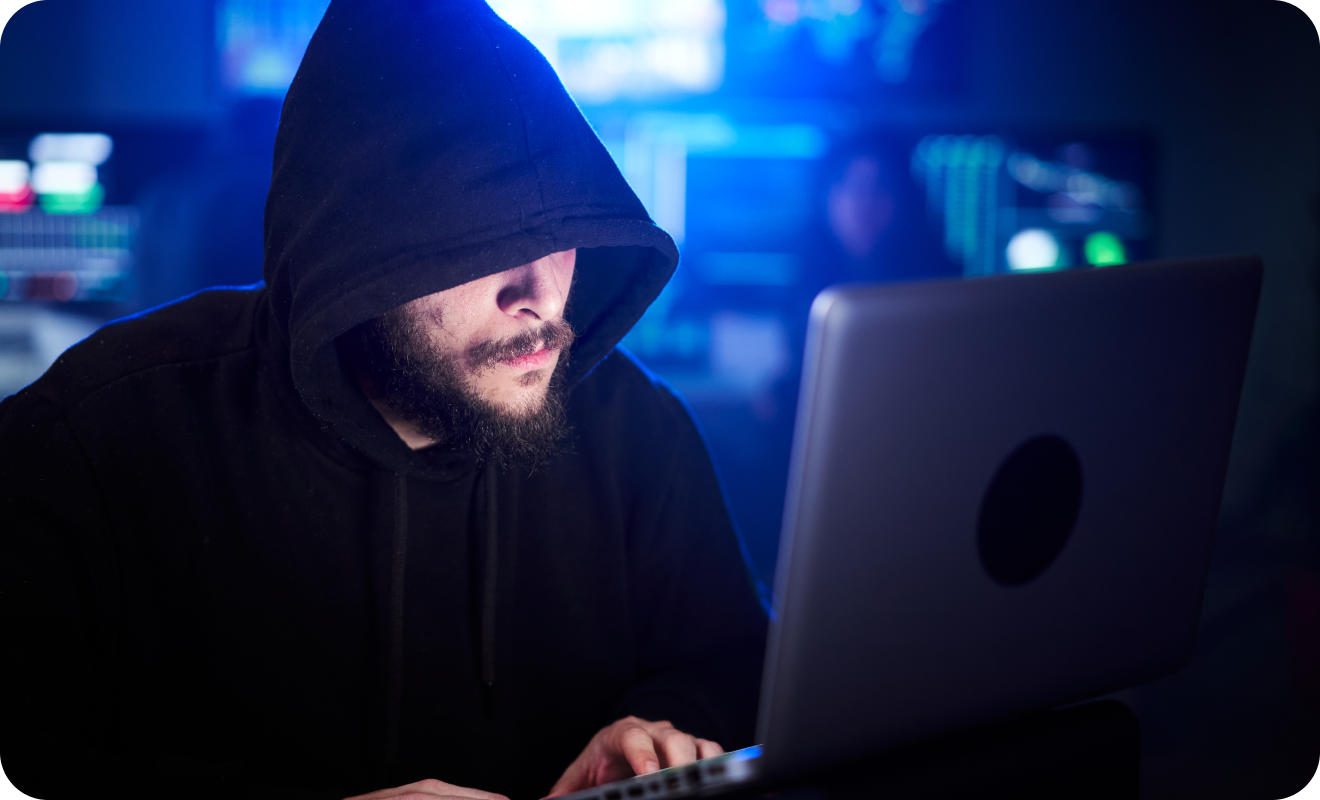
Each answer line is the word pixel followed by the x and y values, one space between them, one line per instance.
pixel 1002 498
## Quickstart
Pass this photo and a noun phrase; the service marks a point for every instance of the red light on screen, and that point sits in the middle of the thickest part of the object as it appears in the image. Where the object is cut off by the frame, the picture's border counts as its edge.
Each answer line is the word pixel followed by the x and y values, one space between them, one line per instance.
pixel 46 286
pixel 17 202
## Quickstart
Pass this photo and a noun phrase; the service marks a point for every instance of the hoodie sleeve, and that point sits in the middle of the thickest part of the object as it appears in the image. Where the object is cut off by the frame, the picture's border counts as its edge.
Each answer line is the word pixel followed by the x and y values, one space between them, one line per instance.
pixel 59 592
pixel 698 615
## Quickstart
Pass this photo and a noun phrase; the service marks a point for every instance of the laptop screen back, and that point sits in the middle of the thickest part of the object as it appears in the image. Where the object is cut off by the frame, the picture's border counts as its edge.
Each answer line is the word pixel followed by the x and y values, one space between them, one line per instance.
pixel 1002 498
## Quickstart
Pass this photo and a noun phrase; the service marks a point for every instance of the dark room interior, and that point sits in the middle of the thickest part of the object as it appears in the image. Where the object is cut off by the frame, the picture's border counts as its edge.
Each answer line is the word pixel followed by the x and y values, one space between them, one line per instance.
pixel 811 142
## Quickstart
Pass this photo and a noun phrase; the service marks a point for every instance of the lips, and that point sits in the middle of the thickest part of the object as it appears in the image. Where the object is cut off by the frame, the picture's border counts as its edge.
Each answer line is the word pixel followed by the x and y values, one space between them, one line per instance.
pixel 535 360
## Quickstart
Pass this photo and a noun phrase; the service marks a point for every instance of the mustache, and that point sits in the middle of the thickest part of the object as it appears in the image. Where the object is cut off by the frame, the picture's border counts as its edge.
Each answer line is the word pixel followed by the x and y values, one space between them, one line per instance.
pixel 553 335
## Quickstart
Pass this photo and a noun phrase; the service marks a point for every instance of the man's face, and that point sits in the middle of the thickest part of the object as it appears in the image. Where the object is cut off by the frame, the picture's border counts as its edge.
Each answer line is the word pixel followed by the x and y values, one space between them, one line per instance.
pixel 476 366
pixel 505 332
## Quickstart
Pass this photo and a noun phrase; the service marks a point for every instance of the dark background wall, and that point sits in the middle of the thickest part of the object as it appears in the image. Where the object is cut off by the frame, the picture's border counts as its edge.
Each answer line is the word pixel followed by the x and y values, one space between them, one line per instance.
pixel 138 62
pixel 1229 94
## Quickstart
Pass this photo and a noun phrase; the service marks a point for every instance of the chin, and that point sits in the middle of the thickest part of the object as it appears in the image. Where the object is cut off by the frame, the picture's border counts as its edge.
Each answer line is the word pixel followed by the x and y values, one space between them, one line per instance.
pixel 523 401
pixel 533 381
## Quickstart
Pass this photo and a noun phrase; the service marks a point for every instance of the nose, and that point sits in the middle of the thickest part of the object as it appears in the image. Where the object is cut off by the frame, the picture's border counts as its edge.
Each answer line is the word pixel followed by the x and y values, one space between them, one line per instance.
pixel 538 290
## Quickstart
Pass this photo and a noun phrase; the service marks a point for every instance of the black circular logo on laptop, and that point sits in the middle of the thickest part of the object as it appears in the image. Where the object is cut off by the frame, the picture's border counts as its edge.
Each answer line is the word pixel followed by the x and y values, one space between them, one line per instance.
pixel 1029 510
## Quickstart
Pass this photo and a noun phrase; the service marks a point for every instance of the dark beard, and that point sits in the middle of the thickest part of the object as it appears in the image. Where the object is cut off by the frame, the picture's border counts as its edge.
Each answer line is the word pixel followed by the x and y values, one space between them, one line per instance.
pixel 426 387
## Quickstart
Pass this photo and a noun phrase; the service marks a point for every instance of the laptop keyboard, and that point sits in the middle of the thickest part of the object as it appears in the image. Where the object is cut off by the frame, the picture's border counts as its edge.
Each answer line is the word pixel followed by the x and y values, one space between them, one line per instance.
pixel 740 766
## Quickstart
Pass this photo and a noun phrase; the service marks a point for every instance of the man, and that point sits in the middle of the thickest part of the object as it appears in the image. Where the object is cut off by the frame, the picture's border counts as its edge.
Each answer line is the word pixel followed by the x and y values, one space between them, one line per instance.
pixel 404 516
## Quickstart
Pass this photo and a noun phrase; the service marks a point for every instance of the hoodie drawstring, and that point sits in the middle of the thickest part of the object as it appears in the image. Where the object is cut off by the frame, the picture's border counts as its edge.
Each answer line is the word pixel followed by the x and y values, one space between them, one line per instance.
pixel 492 574
pixel 397 571
pixel 398 564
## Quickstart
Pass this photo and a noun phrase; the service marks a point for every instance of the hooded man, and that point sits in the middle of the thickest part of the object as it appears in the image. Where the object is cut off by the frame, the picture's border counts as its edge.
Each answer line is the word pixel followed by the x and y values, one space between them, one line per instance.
pixel 403 512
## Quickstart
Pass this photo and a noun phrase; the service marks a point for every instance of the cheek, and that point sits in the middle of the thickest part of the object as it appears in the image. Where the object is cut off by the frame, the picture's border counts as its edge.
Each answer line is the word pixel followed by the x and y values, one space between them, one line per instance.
pixel 452 316
pixel 564 271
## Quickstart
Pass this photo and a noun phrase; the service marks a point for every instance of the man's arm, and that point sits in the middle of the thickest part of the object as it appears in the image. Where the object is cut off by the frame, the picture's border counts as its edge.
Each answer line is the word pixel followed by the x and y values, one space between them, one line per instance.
pixel 61 731
pixel 700 627
pixel 629 747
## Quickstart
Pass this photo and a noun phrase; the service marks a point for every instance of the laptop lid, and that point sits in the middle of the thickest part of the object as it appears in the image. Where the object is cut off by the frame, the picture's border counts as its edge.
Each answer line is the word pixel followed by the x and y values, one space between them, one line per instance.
pixel 1002 498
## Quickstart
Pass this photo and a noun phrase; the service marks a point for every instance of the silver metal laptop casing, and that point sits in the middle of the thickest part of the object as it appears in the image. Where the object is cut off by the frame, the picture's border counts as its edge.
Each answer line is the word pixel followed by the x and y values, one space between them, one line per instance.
pixel 889 629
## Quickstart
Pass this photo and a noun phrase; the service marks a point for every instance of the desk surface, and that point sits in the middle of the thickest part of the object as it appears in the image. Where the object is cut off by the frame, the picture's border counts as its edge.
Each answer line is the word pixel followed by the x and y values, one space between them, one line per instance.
pixel 1080 752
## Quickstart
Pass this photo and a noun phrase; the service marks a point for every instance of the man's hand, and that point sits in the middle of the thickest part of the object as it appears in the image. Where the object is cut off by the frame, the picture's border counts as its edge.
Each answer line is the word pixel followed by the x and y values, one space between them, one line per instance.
pixel 429 790
pixel 630 747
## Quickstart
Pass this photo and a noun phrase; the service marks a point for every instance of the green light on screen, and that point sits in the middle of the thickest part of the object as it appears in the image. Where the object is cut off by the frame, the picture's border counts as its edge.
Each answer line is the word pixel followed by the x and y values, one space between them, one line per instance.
pixel 73 203
pixel 1104 249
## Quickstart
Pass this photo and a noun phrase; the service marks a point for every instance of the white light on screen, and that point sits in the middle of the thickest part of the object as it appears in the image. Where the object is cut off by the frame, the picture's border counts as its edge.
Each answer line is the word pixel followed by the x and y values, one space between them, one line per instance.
pixel 87 148
pixel 63 177
pixel 1033 249
pixel 633 48
pixel 13 176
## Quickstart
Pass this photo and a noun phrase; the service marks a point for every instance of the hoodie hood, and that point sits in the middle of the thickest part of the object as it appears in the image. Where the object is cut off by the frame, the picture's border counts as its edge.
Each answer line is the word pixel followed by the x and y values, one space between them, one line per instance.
pixel 424 144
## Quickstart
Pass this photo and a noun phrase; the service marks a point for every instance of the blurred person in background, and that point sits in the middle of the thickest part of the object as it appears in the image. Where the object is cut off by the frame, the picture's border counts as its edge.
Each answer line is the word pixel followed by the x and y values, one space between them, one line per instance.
pixel 871 227
pixel 404 516
pixel 874 216
pixel 860 208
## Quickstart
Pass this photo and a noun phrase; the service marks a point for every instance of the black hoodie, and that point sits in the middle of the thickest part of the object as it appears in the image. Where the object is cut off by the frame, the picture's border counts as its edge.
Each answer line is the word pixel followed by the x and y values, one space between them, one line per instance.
pixel 223 575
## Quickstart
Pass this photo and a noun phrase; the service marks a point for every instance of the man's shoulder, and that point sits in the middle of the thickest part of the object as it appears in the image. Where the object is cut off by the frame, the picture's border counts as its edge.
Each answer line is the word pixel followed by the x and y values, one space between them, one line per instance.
pixel 201 327
pixel 624 406
pixel 622 384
